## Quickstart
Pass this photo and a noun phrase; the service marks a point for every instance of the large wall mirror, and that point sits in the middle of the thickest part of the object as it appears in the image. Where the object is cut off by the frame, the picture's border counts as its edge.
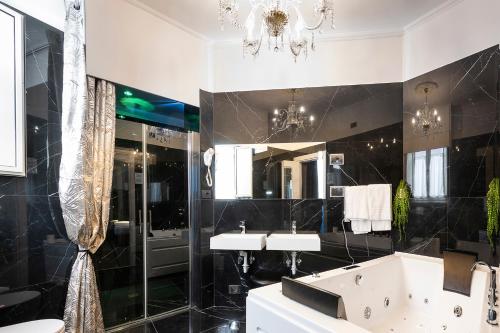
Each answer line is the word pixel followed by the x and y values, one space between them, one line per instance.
pixel 271 171
pixel 12 131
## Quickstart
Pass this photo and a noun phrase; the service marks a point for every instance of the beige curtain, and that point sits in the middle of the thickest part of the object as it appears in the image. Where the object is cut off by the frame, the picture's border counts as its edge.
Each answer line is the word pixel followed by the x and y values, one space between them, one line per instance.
pixel 83 310
pixel 88 136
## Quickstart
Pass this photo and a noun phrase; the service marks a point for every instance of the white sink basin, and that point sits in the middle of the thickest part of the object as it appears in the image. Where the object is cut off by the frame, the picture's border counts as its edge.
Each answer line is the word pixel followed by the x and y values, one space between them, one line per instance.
pixel 240 242
pixel 293 242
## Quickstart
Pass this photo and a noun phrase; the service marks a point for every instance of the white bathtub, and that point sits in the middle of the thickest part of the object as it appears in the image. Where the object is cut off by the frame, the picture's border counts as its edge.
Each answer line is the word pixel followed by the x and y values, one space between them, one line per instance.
pixel 412 284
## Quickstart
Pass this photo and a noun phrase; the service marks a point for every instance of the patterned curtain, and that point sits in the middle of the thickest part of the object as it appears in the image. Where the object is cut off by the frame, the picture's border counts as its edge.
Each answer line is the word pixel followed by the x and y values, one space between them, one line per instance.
pixel 88 136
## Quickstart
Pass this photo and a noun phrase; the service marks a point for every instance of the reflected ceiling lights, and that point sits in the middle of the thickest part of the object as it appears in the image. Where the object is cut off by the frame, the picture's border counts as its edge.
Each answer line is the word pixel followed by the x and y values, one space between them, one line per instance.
pixel 163 135
pixel 426 118
pixel 294 117
pixel 280 20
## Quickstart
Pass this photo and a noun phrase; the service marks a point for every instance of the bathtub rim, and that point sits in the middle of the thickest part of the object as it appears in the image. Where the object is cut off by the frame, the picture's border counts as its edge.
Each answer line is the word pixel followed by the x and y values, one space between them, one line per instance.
pixel 271 296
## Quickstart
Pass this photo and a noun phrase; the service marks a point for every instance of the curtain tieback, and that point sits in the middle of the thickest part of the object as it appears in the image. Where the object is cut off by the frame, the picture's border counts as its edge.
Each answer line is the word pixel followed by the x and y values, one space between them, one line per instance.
pixel 85 253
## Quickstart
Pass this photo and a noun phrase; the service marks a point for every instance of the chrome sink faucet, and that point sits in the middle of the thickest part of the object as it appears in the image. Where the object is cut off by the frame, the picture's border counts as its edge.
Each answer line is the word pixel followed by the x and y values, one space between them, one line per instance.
pixel 243 227
pixel 294 227
pixel 492 297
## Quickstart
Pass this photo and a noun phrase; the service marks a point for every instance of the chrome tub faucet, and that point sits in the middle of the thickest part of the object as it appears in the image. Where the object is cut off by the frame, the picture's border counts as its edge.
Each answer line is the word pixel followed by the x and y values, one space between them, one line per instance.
pixel 492 297
pixel 294 227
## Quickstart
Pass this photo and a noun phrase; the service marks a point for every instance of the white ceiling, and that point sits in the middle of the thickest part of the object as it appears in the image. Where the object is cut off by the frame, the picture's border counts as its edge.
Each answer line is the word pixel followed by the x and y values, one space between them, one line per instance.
pixel 352 17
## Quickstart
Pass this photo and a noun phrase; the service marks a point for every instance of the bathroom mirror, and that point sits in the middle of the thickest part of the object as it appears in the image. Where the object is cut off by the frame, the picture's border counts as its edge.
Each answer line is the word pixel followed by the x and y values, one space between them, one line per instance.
pixel 12 126
pixel 271 171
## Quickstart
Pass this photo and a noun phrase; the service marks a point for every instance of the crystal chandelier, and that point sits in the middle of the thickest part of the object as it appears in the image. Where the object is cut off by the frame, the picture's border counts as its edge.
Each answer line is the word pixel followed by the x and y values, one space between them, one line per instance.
pixel 426 118
pixel 294 117
pixel 282 22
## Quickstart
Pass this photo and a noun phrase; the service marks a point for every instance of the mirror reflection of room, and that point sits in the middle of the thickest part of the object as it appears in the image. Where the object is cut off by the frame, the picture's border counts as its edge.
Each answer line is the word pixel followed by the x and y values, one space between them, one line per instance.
pixel 271 171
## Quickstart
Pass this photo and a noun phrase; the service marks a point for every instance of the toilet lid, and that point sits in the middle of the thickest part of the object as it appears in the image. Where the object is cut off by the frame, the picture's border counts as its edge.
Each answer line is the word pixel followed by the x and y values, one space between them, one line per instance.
pixel 39 326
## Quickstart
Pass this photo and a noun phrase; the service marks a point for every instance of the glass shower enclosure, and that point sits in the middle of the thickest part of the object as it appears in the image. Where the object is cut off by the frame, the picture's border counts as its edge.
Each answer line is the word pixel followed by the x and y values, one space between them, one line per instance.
pixel 143 266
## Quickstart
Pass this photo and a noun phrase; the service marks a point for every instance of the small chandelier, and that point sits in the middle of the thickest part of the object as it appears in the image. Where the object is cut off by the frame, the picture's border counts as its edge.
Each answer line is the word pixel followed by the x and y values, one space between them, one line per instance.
pixel 282 22
pixel 426 118
pixel 294 117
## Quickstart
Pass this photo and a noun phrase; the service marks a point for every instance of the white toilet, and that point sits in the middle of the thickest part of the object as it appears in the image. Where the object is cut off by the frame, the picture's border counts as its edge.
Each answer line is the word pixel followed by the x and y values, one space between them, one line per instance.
pixel 39 326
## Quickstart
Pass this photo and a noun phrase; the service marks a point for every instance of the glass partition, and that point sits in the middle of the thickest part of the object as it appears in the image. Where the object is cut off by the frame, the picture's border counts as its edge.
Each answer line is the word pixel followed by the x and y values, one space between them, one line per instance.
pixel 119 261
pixel 167 220
pixel 143 266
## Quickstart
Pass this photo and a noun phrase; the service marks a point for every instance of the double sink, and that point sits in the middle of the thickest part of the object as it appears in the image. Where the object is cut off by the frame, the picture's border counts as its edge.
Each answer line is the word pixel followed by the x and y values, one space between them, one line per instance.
pixel 273 242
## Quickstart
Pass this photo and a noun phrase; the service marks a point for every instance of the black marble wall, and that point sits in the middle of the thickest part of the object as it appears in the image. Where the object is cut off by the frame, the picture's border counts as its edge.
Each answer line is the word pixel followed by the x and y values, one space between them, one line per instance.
pixel 467 99
pixel 203 255
pixel 35 255
pixel 371 126
pixel 344 119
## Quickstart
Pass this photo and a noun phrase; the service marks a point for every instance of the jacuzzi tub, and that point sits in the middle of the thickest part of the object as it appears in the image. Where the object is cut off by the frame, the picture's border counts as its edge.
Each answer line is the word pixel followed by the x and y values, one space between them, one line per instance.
pixel 398 293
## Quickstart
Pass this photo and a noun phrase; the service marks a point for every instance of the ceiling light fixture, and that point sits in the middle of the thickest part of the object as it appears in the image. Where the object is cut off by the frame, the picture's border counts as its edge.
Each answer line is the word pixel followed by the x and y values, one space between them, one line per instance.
pixel 282 22
pixel 294 117
pixel 426 118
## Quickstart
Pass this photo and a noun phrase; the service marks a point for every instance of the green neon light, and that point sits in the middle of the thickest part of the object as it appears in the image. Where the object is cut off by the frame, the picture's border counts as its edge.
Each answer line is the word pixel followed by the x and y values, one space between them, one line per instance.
pixel 134 103
pixel 128 93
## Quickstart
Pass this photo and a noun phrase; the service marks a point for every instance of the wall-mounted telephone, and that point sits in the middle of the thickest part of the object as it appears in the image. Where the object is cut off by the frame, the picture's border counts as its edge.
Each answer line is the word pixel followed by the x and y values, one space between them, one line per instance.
pixel 208 157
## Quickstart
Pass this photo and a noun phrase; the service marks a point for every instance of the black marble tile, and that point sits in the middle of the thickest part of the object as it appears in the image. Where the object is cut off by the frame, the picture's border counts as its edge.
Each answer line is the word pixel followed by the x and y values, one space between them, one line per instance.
pixel 203 257
pixel 373 157
pixel 467 219
pixel 206 278
pixel 209 320
pixel 467 99
pixel 245 117
pixel 35 253
pixel 426 232
pixel 237 120
pixel 266 215
pixel 206 120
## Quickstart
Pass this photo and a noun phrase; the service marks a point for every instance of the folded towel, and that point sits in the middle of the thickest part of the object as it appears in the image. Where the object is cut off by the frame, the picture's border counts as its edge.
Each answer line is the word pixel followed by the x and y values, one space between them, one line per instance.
pixel 356 203
pixel 361 226
pixel 380 206
pixel 381 225
pixel 356 209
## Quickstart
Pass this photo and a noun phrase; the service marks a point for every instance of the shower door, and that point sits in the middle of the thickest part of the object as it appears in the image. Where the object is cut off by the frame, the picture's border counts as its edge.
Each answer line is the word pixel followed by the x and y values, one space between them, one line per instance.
pixel 119 261
pixel 167 242
pixel 143 266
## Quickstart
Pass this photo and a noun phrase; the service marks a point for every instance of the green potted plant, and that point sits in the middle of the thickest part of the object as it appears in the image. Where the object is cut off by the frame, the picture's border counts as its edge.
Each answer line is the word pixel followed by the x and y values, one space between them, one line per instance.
pixel 401 208
pixel 493 206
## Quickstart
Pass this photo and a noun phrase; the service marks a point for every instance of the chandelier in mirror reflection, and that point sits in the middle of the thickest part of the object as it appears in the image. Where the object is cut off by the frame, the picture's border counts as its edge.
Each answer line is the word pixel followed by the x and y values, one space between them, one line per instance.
pixel 426 118
pixel 294 117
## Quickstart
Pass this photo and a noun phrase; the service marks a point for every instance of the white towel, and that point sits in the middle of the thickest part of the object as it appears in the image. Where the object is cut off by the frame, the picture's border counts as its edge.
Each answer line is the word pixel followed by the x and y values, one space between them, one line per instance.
pixel 361 226
pixel 356 209
pixel 380 206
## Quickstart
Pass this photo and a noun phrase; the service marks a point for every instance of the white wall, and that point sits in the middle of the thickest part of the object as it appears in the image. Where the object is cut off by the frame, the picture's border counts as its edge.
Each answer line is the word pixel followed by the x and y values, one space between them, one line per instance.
pixel 131 46
pixel 460 29
pixel 335 62
pixel 453 31
pixel 49 11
